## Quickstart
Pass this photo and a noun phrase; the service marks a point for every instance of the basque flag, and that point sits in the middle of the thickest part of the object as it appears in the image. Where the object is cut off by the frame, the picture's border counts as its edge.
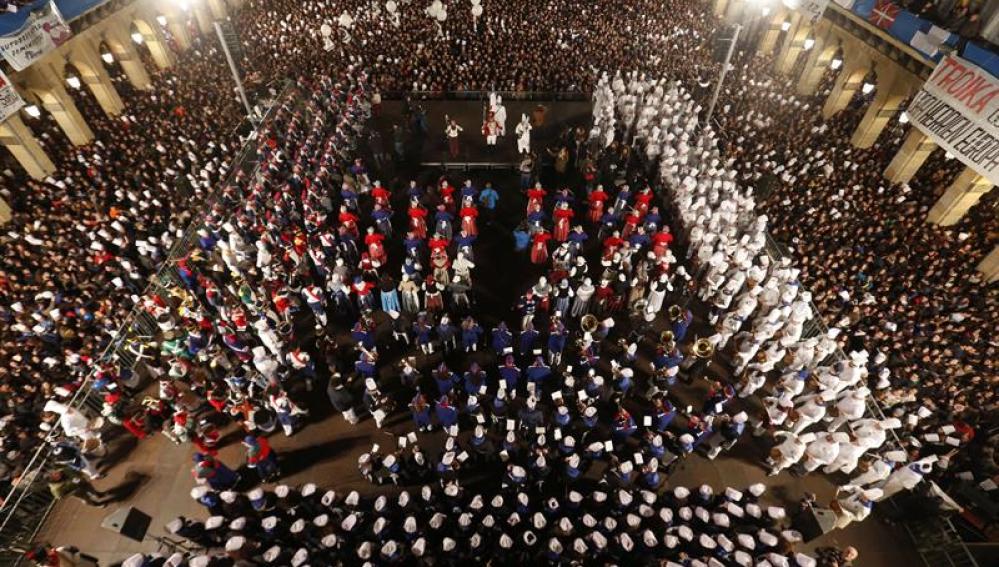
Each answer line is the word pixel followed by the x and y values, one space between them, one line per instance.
pixel 884 14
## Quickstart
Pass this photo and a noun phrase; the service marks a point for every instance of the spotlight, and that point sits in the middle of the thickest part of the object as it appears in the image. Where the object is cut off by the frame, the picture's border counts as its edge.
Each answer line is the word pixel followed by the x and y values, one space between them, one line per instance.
pixel 73 81
pixel 903 118
pixel 785 25
pixel 835 64
pixel 137 38
pixel 33 111
pixel 107 57
pixel 867 88
pixel 809 43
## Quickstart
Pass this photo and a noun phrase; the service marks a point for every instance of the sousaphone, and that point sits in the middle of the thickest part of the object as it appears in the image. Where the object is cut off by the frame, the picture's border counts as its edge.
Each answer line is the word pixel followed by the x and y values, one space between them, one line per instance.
pixel 703 348
pixel 675 312
pixel 667 337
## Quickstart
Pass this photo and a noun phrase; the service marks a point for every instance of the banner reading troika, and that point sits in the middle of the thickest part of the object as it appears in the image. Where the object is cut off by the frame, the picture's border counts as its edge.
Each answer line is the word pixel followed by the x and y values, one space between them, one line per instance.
pixel 958 108
pixel 10 101
pixel 43 31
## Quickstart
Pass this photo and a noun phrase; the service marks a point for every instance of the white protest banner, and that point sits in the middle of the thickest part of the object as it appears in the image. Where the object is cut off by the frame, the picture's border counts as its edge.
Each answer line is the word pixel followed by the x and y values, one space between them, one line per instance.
pixel 958 108
pixel 42 32
pixel 10 101
pixel 811 10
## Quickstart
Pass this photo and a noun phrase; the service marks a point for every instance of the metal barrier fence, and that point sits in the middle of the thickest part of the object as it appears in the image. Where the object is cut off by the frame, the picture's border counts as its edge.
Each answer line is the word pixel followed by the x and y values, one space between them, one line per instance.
pixel 482 95
pixel 28 503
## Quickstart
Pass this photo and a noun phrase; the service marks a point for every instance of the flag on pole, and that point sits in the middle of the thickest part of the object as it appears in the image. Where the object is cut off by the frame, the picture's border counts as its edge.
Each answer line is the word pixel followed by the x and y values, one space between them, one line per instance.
pixel 884 13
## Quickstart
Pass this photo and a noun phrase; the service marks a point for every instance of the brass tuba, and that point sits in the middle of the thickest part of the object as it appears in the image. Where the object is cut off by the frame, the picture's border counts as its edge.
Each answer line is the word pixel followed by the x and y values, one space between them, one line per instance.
pixel 703 348
pixel 589 323
pixel 667 337
pixel 675 312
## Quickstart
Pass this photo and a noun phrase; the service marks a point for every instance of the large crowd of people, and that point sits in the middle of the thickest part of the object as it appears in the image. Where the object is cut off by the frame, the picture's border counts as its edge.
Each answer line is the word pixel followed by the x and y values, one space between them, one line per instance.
pixel 318 237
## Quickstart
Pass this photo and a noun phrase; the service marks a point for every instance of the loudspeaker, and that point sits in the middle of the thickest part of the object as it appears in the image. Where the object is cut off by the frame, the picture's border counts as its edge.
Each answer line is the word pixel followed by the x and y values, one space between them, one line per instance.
pixel 129 522
pixel 815 522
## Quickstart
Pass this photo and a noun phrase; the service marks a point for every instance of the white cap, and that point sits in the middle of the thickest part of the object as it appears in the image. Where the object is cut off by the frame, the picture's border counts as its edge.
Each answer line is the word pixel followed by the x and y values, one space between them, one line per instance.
pixel 174 525
pixel 272 553
pixel 685 533
pixel 214 522
pixel 720 520
pixel 235 543
pixel 792 536
pixel 766 538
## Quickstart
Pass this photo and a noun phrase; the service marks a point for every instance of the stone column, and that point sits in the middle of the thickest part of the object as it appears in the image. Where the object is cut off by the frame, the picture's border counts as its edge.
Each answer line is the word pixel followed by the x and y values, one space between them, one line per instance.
pixel 218 9
pixel 124 50
pixel 720 6
pixel 5 215
pixel 204 17
pixel 177 24
pixel 891 94
pixel 962 194
pixel 989 267
pixel 23 145
pixel 793 44
pixel 48 84
pixel 816 64
pixel 86 57
pixel 910 157
pixel 154 39
pixel 847 84
pixel 772 32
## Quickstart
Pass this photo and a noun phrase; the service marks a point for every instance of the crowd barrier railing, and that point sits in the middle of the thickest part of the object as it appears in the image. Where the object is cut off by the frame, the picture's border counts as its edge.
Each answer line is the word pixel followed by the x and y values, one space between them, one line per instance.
pixel 567 96
pixel 934 537
pixel 27 505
